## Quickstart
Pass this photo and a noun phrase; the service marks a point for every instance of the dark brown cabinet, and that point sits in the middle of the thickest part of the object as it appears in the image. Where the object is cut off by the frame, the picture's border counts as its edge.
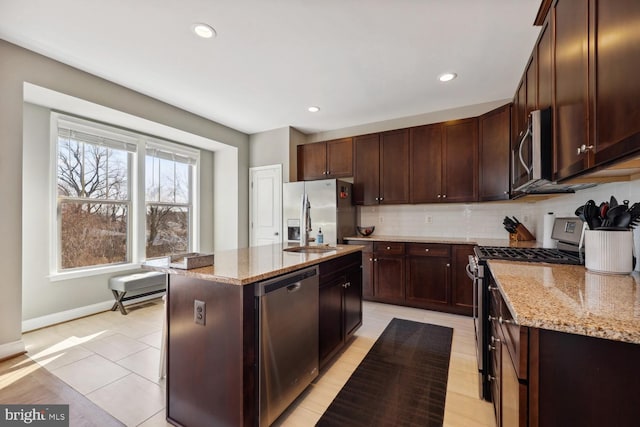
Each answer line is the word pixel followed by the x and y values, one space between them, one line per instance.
pixel 425 275
pixel 330 159
pixel 544 54
pixel 425 163
pixel 615 85
pixel 494 151
pixel 428 275
pixel 389 272
pixel 381 173
pixel 444 162
pixel 571 73
pixel 340 303
pixel 460 161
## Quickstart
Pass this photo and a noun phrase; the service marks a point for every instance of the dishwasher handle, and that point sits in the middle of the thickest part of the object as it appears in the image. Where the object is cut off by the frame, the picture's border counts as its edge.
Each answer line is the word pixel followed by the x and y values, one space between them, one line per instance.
pixel 290 281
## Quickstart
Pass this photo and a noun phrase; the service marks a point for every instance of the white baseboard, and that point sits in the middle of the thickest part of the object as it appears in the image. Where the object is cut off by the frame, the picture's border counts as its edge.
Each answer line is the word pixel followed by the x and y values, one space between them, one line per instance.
pixel 76 313
pixel 11 349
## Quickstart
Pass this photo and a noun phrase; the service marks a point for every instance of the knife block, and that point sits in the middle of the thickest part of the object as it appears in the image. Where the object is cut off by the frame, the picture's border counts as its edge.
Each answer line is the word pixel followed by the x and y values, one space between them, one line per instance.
pixel 522 234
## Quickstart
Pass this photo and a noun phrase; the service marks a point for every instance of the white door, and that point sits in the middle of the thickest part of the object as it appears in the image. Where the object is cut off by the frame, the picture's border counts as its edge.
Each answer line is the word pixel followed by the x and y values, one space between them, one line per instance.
pixel 265 205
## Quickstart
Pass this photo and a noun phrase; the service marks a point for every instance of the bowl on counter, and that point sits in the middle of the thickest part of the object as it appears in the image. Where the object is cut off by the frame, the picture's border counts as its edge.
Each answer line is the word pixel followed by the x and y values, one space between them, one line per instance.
pixel 365 231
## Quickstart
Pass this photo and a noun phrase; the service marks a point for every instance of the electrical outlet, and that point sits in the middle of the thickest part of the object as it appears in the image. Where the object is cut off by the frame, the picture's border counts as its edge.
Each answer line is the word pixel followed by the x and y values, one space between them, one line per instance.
pixel 428 219
pixel 525 218
pixel 199 312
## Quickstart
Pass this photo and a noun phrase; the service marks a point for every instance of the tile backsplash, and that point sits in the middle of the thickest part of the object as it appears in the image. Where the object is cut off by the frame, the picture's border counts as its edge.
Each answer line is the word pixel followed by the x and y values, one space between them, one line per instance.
pixel 484 220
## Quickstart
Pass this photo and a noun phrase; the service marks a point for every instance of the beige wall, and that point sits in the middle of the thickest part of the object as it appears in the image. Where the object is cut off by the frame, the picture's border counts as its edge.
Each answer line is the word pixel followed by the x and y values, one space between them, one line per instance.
pixel 17 66
pixel 271 148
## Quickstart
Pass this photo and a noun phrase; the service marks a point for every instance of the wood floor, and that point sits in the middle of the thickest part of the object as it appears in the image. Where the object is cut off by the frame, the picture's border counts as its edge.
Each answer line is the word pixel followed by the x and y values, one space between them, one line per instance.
pixel 113 361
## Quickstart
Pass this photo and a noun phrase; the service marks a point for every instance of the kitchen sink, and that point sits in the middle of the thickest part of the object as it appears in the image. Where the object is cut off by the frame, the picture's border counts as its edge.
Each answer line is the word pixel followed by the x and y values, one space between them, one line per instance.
pixel 311 249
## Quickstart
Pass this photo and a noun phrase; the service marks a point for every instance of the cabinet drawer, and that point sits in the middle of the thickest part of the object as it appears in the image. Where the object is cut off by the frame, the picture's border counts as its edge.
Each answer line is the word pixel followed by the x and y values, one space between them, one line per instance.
pixel 516 339
pixel 391 248
pixel 429 249
pixel 368 246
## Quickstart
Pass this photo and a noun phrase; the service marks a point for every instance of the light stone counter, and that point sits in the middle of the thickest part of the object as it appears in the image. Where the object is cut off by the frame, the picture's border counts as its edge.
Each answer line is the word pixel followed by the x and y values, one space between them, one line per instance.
pixel 569 298
pixel 250 265
pixel 480 241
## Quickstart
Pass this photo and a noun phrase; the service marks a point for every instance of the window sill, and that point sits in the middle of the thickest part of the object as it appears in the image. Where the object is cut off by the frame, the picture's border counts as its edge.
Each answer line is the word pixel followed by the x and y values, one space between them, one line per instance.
pixel 94 271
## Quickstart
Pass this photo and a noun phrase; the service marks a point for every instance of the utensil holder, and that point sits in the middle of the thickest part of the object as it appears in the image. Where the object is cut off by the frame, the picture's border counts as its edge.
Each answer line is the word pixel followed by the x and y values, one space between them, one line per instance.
pixel 609 252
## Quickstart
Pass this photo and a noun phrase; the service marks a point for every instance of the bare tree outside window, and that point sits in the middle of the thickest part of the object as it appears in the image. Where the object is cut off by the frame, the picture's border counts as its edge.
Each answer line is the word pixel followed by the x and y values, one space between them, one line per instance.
pixel 168 204
pixel 93 203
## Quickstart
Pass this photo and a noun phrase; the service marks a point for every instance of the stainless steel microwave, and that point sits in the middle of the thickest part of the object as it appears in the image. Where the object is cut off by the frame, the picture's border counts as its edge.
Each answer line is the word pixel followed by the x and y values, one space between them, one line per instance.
pixel 532 155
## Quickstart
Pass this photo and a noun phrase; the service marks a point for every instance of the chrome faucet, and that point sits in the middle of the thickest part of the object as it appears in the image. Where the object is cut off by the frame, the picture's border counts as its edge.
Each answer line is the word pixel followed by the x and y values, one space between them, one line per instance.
pixel 305 220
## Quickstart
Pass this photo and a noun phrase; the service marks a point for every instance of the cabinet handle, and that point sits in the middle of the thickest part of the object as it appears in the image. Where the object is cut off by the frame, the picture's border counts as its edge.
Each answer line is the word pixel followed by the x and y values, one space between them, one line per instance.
pixel 506 192
pixel 378 199
pixel 381 198
pixel 426 250
pixel 491 318
pixel 448 265
pixel 507 321
pixel 375 259
pixel 444 196
pixel 494 340
pixel 490 378
pixel 491 348
pixel 439 196
pixel 584 148
pixel 493 288
pixel 371 259
pixel 328 172
pixel 388 248
pixel 346 285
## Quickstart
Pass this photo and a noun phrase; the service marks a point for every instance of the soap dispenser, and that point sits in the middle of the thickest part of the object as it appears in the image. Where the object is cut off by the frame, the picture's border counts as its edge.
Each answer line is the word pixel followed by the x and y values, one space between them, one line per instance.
pixel 320 236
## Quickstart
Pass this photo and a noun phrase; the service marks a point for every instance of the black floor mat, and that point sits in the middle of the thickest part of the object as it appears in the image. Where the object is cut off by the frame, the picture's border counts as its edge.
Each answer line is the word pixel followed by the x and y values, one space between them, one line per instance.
pixel 402 381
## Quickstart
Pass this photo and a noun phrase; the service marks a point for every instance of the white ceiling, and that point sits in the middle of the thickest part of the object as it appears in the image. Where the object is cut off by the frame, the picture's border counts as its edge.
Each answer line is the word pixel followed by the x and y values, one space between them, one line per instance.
pixel 360 61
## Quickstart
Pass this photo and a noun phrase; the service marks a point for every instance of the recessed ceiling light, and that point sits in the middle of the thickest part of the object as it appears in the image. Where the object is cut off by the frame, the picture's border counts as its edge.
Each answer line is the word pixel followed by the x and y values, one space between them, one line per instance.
pixel 203 30
pixel 446 77
pixel 313 109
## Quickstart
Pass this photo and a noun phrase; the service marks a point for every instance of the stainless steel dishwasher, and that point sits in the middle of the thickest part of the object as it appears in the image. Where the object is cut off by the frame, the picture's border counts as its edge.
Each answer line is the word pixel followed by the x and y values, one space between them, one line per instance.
pixel 287 340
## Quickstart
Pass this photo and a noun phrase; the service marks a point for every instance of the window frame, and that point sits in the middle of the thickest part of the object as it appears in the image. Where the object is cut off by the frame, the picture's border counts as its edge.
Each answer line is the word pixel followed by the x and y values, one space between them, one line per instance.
pixel 136 227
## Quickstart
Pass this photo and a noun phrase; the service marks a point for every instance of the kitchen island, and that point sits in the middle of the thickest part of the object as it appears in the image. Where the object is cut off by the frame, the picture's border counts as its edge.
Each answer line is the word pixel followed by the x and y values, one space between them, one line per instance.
pixel 564 345
pixel 211 365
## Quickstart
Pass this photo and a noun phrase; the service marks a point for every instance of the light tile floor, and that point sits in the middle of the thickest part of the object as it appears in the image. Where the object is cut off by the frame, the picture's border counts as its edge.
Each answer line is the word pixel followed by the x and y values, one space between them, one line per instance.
pixel 113 360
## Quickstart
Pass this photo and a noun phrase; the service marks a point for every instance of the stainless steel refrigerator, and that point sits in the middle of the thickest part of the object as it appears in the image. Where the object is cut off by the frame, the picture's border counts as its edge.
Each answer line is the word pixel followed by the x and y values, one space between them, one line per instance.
pixel 331 210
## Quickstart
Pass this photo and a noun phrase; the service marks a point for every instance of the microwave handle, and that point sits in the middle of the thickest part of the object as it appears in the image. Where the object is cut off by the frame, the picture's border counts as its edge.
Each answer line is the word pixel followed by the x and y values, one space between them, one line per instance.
pixel 527 133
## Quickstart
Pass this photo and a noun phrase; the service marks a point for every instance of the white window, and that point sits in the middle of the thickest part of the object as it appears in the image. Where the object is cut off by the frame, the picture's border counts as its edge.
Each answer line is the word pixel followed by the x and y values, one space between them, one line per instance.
pixel 169 189
pixel 104 195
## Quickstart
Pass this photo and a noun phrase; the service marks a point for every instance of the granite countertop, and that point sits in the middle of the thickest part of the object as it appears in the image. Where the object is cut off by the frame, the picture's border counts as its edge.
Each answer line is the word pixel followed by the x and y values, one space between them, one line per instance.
pixel 249 265
pixel 569 298
pixel 480 241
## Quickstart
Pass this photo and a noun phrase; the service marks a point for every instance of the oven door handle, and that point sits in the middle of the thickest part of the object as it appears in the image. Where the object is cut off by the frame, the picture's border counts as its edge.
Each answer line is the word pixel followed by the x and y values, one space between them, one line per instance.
pixel 469 272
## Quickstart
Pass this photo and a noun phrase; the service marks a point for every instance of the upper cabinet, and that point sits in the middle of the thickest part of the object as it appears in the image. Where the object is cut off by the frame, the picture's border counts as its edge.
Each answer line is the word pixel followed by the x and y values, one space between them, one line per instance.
pixel 460 161
pixel 615 48
pixel 571 72
pixel 330 159
pixel 494 137
pixel 381 174
pixel 444 162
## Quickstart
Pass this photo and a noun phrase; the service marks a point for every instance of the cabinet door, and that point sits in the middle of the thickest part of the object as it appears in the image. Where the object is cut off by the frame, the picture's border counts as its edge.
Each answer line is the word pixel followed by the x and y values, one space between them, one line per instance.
pixel 616 84
pixel 353 302
pixel 531 74
pixel 367 274
pixel 570 112
pixel 520 111
pixel 461 285
pixel 340 158
pixel 545 67
pixel 394 173
pixel 389 278
pixel 460 173
pixel 331 332
pixel 312 161
pixel 425 163
pixel 495 143
pixel 428 281
pixel 366 179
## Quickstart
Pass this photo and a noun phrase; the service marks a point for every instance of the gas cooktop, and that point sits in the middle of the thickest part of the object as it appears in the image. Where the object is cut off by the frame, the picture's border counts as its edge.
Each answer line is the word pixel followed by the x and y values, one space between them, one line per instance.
pixel 554 256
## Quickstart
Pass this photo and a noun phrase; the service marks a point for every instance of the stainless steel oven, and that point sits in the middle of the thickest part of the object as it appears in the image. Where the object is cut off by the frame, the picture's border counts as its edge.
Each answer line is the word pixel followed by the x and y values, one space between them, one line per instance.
pixel 476 272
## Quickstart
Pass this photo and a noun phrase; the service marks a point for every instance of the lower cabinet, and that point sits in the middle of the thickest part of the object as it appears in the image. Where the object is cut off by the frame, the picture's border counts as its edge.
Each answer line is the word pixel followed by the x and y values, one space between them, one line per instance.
pixel 424 275
pixel 340 304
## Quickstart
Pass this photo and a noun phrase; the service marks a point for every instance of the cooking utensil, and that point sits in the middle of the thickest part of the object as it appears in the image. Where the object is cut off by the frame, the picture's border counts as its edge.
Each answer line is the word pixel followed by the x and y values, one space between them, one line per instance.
pixel 591 215
pixel 622 220
pixel 612 215
pixel 613 202
pixel 603 208
pixel 634 211
pixel 580 212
